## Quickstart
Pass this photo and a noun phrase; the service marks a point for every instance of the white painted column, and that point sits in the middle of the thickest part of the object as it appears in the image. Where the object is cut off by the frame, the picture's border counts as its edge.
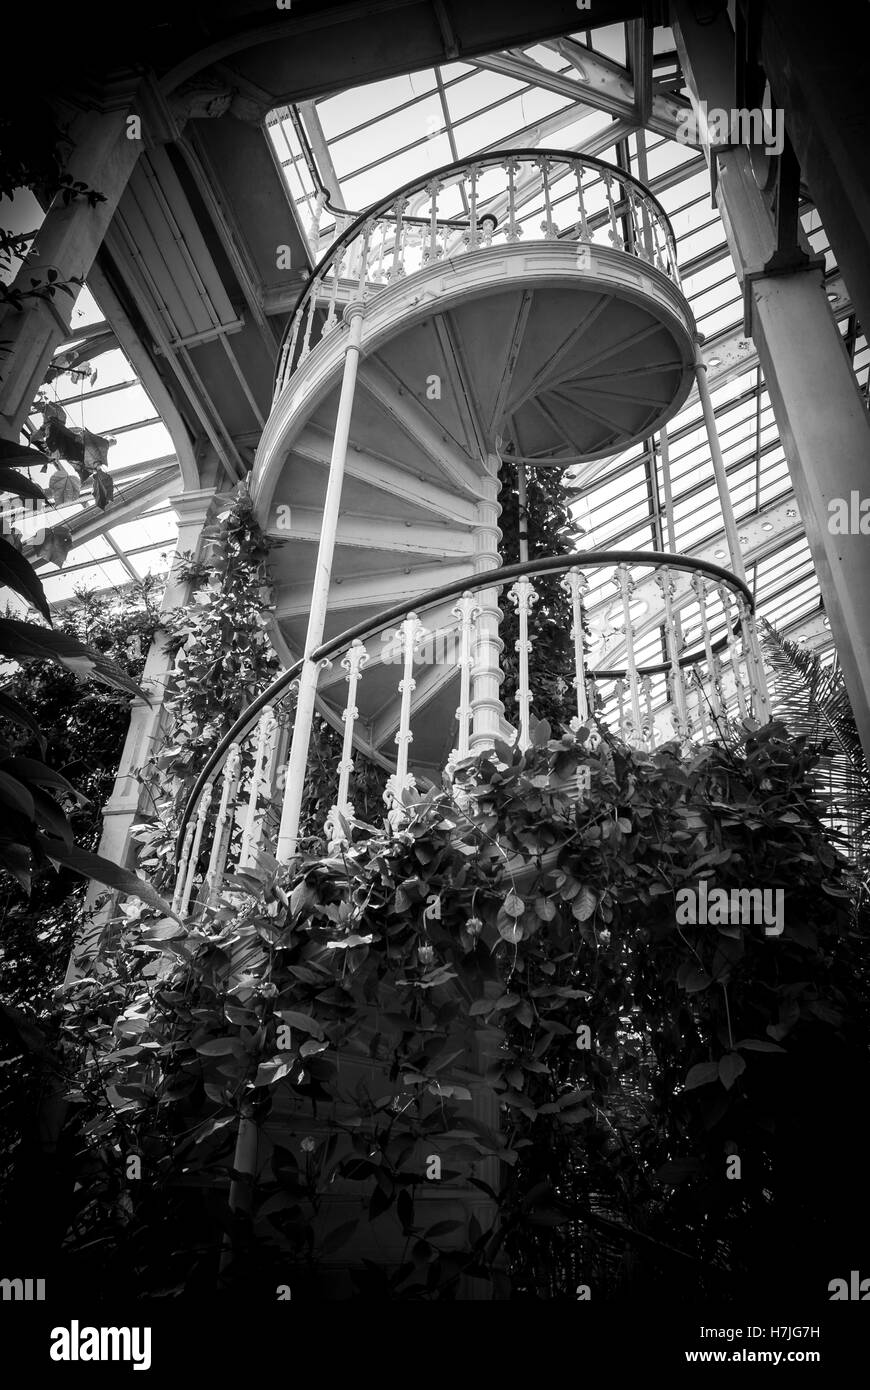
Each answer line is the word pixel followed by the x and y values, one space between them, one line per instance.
pixel 486 676
pixel 295 784
pixel 725 503
pixel 128 800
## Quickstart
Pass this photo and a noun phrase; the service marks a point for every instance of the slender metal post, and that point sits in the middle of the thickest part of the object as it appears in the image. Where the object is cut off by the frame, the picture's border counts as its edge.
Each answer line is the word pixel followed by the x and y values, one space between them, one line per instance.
pixel 522 513
pixel 466 611
pixel 730 524
pixel 354 661
pixel 289 831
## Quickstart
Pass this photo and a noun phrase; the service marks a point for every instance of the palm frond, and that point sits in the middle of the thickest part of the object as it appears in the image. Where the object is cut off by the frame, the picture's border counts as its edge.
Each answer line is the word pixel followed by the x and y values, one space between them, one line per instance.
pixel 810 698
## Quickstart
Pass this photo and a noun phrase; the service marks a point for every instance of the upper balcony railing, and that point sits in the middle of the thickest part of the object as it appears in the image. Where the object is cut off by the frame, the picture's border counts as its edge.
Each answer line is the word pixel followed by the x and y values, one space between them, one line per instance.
pixel 711 671
pixel 495 199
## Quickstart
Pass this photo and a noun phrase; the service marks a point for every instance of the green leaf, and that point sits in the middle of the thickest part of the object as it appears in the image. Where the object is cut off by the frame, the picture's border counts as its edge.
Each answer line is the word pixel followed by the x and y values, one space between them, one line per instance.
pixel 15 859
pixel 514 905
pixel 220 1047
pixel 730 1067
pixel 12 709
pixel 104 487
pixel 584 904
pixel 541 734
pixel 27 641
pixel 303 1021
pixel 63 488
pixel 13 455
pixel 701 1075
pixel 339 1236
pixel 18 574
pixel 442 1228
pixel 758 1045
pixel 55 545
pixel 13 793
pixel 95 866
pixel 35 771
pixel 20 485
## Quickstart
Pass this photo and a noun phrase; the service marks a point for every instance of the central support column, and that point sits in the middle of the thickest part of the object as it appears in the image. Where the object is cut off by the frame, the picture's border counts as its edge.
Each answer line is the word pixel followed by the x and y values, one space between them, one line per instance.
pixel 819 410
pixel 295 786
pixel 486 675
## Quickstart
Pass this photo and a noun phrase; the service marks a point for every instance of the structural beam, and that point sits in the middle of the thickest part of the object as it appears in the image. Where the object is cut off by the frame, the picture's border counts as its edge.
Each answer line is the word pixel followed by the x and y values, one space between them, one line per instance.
pixel 819 410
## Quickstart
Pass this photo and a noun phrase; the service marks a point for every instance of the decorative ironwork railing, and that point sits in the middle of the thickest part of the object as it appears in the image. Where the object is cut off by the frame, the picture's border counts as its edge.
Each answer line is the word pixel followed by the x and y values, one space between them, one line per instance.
pixel 710 667
pixel 495 199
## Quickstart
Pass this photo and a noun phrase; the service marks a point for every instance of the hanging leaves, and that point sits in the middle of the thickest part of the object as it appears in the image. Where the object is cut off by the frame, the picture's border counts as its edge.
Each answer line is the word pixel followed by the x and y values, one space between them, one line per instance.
pixel 56 545
pixel 63 488
pixel 104 487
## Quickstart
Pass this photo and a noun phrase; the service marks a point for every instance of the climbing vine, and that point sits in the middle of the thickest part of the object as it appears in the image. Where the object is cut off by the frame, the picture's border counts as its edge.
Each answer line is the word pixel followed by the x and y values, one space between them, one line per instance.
pixel 502 983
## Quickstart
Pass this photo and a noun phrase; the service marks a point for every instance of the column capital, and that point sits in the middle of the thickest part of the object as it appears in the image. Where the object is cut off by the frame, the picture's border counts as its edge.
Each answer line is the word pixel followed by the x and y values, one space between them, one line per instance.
pixel 193 505
pixel 355 309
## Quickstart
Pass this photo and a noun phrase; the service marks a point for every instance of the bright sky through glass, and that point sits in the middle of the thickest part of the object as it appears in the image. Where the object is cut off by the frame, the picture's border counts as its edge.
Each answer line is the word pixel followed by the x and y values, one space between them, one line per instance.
pixel 364 143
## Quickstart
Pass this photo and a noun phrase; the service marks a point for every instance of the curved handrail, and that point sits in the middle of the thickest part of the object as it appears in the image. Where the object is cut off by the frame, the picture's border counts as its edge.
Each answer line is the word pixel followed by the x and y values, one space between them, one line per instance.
pixel 489 579
pixel 384 207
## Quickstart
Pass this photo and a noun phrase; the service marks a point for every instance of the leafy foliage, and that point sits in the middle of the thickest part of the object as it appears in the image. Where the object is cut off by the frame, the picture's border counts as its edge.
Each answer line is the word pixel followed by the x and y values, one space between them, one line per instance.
pixel 810 697
pixel 550 531
pixel 434 984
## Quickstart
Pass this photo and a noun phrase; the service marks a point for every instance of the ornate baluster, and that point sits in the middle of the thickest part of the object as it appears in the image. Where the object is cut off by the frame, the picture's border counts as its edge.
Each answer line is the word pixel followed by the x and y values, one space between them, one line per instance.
pixel 364 259
pixel 314 224
pixel 401 779
pixel 337 265
pixel 397 269
pixel 584 224
pixel 202 811
pixel 624 582
pixel 733 655
pixel 356 658
pixel 754 662
pixel 673 268
pixel 430 252
pixel 309 319
pixel 223 826
pixel 466 611
pixel 472 236
pixel 575 585
pixel 676 687
pixel 379 273
pixel 634 221
pixel 523 595
pixel 699 584
pixel 289 350
pixel 514 231
pixel 614 226
pixel 252 826
pixel 698 686
pixel 619 688
pixel 716 696
pixel 648 725
pixel 658 259
pixel 547 226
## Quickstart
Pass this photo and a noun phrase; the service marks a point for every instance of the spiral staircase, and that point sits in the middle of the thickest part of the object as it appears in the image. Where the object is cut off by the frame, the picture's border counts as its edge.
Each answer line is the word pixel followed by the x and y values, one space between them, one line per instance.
pixel 525 306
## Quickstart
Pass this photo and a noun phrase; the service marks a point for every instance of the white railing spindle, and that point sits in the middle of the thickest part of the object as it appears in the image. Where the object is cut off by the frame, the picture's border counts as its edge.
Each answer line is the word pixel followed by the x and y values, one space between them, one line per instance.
pixel 466 611
pixel 523 596
pixel 223 826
